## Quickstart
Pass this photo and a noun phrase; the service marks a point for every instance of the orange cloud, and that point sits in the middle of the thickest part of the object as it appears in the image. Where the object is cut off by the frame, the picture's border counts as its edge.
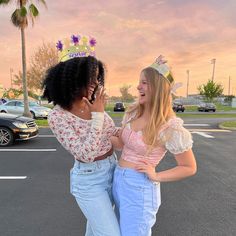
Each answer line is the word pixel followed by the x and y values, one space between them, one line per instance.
pixel 132 33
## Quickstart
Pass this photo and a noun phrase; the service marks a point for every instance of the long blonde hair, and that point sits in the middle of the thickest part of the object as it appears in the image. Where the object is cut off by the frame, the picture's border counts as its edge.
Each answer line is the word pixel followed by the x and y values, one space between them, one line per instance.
pixel 160 106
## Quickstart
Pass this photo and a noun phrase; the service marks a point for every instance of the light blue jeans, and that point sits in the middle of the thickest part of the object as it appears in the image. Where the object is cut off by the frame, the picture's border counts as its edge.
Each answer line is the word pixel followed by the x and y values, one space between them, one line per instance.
pixel 137 200
pixel 91 185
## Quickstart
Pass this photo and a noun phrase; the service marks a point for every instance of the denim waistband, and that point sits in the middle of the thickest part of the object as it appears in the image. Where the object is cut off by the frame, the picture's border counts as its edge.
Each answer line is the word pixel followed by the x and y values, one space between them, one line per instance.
pixel 129 172
pixel 109 159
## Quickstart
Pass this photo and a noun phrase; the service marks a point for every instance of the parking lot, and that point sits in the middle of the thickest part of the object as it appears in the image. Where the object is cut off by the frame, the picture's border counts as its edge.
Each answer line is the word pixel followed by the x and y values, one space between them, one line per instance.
pixel 35 198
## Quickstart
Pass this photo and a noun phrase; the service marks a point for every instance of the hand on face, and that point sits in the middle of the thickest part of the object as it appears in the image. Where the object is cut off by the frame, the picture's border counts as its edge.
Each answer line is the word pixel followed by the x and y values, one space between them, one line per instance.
pixel 92 88
pixel 98 104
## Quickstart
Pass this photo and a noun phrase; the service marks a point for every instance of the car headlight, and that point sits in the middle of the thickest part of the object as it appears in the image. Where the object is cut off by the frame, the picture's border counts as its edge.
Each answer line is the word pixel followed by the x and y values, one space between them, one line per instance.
pixel 20 124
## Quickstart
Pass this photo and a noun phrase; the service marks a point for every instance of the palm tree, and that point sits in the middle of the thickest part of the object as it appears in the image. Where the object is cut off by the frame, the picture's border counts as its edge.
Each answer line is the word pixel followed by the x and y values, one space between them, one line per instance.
pixel 19 18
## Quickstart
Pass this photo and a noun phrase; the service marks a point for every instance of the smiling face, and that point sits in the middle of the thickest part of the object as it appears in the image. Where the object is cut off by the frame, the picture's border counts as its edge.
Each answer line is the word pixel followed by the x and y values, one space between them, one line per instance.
pixel 143 89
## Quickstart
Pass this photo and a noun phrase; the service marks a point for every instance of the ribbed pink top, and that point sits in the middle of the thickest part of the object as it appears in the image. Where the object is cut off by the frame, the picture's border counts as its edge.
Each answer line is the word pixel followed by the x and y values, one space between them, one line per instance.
pixel 135 149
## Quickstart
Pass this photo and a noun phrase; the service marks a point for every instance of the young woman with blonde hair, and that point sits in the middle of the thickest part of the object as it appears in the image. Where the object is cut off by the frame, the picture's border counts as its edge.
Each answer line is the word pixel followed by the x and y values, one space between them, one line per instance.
pixel 150 129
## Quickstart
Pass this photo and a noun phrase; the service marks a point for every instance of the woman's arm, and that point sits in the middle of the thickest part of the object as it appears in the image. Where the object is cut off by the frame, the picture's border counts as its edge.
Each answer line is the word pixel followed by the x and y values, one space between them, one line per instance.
pixel 116 139
pixel 186 166
pixel 116 143
pixel 82 148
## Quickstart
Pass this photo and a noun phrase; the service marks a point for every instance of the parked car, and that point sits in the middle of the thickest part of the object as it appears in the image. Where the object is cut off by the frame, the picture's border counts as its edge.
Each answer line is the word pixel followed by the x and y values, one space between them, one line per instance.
pixel 177 107
pixel 207 107
pixel 119 106
pixel 13 127
pixel 17 107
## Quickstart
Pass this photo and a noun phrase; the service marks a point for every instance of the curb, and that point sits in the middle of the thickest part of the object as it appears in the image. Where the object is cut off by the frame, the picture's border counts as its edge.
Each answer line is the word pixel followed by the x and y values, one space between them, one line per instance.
pixel 225 127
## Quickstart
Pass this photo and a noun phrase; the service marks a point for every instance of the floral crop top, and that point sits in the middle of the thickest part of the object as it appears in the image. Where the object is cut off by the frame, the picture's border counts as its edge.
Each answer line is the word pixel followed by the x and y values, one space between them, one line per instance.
pixel 178 141
pixel 84 139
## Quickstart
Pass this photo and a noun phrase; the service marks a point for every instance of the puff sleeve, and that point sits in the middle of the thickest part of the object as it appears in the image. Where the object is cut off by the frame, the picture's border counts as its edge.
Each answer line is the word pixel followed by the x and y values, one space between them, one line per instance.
pixel 177 138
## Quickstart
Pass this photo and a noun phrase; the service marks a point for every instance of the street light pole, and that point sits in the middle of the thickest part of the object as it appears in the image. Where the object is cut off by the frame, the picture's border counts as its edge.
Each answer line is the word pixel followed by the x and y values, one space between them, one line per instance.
pixel 11 71
pixel 213 61
pixel 187 81
pixel 229 87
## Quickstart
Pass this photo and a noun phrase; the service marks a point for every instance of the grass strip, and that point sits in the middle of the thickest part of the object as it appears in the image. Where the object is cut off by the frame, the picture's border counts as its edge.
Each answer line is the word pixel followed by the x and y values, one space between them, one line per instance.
pixel 228 125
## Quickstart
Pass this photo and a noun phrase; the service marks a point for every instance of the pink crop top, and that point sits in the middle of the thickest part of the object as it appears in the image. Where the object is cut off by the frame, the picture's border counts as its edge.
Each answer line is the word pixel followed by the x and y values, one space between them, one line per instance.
pixel 179 140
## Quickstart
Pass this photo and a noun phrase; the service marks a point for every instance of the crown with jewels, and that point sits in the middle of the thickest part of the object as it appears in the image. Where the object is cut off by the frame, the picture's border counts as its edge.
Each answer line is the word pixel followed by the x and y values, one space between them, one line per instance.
pixel 161 66
pixel 77 46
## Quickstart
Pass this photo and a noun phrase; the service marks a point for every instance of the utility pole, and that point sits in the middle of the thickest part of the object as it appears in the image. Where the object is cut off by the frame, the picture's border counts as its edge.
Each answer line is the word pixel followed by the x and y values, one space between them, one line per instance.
pixel 187 81
pixel 11 71
pixel 229 87
pixel 213 61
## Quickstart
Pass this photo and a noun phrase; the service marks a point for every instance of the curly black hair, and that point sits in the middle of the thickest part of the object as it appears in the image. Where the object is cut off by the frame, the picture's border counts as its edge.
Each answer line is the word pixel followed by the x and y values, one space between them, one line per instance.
pixel 69 80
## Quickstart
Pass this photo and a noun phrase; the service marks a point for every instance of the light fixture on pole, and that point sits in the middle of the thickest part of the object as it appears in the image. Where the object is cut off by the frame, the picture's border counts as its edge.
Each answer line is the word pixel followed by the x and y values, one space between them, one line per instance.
pixel 213 61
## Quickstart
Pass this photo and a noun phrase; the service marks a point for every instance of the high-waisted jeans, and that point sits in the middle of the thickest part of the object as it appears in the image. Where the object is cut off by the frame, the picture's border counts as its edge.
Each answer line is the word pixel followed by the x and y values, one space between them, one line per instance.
pixel 91 185
pixel 137 200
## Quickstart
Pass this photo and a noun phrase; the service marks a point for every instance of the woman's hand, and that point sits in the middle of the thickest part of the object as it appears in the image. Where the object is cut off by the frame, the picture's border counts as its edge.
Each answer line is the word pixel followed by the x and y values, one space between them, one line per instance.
pixel 98 104
pixel 186 166
pixel 148 169
pixel 118 131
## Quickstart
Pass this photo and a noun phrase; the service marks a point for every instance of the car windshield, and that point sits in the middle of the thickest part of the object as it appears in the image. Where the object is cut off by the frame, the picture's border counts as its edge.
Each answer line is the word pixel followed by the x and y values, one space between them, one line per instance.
pixel 33 104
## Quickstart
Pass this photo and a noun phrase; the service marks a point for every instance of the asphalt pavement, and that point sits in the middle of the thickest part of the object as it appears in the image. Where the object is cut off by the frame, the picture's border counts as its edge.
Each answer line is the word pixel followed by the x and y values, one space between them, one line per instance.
pixel 35 198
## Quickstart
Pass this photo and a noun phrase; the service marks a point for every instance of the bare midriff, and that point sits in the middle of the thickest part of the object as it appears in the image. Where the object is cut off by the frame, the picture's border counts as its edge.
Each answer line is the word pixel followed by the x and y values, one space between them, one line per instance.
pixel 126 164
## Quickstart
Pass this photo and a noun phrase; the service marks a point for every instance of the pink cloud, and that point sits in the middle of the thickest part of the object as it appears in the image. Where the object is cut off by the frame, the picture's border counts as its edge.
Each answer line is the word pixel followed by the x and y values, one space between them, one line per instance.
pixel 132 33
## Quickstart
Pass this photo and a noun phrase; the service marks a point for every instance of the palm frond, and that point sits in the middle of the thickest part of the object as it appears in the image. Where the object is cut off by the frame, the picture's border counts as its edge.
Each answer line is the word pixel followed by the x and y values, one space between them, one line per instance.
pixel 23 11
pixel 33 10
pixel 33 13
pixel 4 2
pixel 18 20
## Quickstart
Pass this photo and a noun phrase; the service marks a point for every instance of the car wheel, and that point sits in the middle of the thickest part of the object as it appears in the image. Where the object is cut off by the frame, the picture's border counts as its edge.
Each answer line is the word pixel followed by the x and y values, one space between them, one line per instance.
pixel 6 137
pixel 3 111
pixel 33 114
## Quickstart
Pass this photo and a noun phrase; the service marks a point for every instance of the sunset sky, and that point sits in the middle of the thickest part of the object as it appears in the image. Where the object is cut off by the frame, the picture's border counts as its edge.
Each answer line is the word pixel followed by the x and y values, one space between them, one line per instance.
pixel 130 34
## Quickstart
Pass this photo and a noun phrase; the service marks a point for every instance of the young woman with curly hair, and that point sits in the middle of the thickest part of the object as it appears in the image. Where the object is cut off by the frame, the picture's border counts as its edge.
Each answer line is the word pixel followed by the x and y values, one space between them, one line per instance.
pixel 83 128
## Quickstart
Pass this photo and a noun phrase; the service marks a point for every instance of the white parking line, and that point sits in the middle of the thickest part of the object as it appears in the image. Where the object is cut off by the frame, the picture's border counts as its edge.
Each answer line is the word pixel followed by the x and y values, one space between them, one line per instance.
pixel 13 177
pixel 196 125
pixel 210 130
pixel 28 150
pixel 203 134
